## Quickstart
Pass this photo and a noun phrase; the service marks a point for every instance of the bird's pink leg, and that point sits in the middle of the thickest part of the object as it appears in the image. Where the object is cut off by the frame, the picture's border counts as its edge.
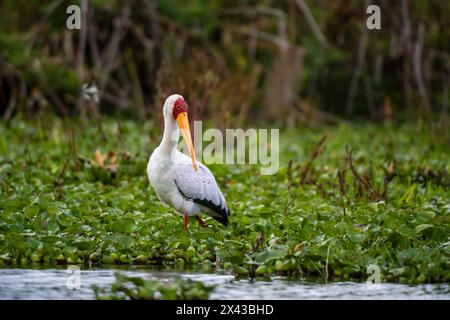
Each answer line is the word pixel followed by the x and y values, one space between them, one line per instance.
pixel 185 221
pixel 202 223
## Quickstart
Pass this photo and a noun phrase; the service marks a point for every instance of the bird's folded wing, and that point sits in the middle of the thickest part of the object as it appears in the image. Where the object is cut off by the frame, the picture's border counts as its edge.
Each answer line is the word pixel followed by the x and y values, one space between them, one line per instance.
pixel 199 186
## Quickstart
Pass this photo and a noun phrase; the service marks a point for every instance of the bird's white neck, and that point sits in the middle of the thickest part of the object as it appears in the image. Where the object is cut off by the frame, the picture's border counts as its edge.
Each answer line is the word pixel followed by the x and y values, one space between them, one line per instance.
pixel 170 137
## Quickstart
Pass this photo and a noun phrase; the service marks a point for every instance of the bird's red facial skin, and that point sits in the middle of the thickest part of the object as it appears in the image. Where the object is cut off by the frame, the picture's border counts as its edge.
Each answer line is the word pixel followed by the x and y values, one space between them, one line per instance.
pixel 178 107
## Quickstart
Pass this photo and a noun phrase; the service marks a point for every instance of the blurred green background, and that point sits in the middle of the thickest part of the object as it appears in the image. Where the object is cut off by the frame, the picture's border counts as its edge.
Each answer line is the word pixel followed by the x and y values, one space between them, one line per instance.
pixel 280 62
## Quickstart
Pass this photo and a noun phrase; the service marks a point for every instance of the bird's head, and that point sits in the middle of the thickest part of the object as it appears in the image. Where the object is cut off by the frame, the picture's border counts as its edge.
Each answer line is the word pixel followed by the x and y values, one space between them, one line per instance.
pixel 175 107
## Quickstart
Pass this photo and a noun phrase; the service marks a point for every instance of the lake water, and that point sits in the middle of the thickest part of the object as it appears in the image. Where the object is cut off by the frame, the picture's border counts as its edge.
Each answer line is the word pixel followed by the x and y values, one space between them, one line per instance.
pixel 52 284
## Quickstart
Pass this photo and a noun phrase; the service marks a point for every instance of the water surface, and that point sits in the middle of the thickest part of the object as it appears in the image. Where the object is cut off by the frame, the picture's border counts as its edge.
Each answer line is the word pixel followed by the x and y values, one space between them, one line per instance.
pixel 53 284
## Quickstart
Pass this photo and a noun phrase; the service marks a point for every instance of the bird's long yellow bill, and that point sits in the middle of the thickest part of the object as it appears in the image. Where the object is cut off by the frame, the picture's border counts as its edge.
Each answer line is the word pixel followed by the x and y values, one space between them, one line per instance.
pixel 183 124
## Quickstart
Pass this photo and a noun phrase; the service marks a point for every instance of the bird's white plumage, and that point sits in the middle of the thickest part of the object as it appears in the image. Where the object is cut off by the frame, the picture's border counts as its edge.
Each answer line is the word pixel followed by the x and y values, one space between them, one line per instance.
pixel 177 184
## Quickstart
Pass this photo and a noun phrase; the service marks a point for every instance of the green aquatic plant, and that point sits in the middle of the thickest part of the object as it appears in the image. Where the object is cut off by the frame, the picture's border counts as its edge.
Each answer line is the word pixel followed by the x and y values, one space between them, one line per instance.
pixel 137 288
pixel 330 212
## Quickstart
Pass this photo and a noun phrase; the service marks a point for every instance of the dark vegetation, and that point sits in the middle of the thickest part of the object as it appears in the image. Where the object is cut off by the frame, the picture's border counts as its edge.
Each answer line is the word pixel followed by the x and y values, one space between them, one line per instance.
pixel 285 61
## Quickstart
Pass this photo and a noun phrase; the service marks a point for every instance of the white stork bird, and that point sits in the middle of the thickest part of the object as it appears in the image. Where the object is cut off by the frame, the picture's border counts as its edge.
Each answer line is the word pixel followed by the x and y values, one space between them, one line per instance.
pixel 179 181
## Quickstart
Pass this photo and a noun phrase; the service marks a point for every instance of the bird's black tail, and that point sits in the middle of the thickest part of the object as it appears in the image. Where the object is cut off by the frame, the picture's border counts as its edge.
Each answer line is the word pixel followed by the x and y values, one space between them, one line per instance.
pixel 223 218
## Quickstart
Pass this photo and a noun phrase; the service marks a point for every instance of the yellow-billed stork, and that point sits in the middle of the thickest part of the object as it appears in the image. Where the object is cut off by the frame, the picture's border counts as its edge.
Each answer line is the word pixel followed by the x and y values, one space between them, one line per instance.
pixel 179 181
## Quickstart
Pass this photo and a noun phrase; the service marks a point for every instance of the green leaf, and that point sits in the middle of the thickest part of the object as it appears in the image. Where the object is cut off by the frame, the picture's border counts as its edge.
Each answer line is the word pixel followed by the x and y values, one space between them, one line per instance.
pixel 31 211
pixel 422 227
pixel 126 225
pixel 341 227
pixel 52 226
pixel 53 210
pixel 408 194
pixel 33 243
pixel 357 237
pixel 269 255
